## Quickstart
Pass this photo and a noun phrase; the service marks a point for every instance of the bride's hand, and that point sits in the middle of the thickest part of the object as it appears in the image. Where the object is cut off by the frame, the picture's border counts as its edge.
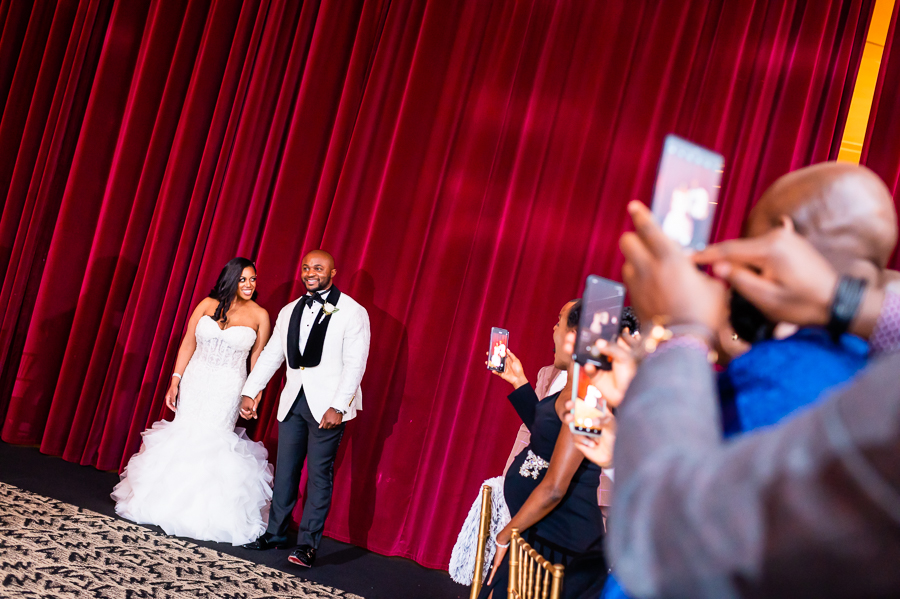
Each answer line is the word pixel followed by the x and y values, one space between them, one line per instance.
pixel 172 395
pixel 248 407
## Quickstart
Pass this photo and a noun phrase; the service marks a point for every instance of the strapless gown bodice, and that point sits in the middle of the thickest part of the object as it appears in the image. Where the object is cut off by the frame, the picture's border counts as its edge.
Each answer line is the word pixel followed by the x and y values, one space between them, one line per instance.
pixel 210 393
pixel 222 350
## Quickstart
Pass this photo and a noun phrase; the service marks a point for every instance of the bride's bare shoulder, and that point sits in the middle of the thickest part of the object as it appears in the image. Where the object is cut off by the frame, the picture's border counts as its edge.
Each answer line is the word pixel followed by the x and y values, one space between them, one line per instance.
pixel 207 305
pixel 259 313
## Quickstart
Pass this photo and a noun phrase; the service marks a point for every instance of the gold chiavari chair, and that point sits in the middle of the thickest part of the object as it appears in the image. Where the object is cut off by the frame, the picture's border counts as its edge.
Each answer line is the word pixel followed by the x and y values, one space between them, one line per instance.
pixel 530 575
pixel 484 531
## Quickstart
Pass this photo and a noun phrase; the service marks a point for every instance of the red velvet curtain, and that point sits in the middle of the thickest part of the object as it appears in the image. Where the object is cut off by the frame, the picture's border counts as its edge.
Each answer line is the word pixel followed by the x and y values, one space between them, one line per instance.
pixel 881 147
pixel 468 163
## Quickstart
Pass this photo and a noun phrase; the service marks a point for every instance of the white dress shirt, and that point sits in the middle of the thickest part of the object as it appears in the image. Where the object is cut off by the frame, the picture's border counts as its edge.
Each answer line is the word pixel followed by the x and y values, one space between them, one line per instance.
pixel 308 318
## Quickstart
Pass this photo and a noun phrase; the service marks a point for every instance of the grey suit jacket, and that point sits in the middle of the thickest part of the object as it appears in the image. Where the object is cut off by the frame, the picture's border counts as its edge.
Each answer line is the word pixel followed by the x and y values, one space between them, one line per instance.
pixel 809 508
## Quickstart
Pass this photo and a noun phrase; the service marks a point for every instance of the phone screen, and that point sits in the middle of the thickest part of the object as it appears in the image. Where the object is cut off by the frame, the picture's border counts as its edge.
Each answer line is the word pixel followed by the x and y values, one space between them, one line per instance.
pixel 687 191
pixel 601 311
pixel 588 405
pixel 497 351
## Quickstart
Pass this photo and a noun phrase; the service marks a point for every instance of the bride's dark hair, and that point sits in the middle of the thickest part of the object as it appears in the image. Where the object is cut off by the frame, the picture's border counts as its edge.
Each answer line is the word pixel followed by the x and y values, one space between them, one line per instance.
pixel 227 285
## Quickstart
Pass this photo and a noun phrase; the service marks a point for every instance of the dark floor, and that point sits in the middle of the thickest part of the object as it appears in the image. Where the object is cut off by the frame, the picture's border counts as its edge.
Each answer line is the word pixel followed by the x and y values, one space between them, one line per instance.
pixel 338 564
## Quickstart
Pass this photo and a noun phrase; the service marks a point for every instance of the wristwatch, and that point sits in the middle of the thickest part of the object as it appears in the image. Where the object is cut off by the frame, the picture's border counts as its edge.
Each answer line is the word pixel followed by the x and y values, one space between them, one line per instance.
pixel 339 411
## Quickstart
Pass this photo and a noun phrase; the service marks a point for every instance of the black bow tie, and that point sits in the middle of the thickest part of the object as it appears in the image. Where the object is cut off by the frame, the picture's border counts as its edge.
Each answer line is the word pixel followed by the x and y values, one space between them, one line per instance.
pixel 309 300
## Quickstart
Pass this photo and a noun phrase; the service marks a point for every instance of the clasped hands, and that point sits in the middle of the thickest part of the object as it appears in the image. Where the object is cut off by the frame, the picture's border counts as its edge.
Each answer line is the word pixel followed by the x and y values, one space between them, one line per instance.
pixel 248 406
pixel 331 419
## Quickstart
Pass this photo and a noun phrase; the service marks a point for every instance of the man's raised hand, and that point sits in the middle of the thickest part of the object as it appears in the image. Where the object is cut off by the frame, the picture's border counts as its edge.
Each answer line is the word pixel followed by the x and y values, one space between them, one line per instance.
pixel 664 284
pixel 781 273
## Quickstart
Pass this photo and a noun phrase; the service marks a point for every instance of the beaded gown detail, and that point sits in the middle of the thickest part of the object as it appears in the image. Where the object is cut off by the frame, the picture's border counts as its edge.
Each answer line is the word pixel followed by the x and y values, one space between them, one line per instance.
pixel 198 476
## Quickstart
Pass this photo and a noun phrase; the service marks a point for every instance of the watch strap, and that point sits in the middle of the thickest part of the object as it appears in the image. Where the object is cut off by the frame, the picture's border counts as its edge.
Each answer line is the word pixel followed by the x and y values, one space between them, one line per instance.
pixel 847 299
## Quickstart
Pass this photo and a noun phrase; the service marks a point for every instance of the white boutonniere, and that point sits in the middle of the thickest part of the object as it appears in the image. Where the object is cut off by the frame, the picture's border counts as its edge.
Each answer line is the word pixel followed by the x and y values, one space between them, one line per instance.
pixel 327 310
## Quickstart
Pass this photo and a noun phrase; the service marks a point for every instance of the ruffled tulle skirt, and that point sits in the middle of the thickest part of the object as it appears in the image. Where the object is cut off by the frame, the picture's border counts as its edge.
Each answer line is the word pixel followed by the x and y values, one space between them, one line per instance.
pixel 203 483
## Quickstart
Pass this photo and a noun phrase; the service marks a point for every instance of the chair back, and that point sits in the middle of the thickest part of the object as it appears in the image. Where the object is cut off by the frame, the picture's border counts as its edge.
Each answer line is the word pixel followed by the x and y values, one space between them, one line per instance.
pixel 530 575
pixel 484 531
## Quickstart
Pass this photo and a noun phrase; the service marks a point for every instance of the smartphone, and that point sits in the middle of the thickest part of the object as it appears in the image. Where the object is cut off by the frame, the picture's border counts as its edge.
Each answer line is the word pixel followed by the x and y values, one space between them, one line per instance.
pixel 497 351
pixel 588 405
pixel 601 311
pixel 687 191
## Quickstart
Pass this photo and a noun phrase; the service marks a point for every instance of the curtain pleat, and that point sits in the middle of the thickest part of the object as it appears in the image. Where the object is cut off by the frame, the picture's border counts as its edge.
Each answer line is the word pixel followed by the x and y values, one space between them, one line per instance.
pixel 468 164
pixel 66 63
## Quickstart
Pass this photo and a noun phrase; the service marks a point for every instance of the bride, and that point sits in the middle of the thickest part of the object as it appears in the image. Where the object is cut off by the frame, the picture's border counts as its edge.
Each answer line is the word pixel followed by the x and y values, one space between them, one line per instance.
pixel 197 476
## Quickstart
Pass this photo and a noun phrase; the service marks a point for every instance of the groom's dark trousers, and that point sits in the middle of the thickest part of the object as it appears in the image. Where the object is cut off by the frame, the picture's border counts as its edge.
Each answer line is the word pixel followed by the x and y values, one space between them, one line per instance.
pixel 299 437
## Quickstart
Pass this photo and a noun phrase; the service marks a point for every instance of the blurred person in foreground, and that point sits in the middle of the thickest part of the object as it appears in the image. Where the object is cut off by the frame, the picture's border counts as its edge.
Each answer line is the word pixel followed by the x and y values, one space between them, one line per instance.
pixel 847 214
pixel 809 507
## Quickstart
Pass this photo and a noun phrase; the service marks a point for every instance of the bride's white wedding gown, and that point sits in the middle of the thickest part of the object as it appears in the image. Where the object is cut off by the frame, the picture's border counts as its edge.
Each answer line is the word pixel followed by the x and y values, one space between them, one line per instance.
pixel 197 476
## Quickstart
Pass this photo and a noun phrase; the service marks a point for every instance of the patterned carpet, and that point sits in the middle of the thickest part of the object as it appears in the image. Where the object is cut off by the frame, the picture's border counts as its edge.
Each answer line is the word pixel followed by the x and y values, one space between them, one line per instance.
pixel 52 549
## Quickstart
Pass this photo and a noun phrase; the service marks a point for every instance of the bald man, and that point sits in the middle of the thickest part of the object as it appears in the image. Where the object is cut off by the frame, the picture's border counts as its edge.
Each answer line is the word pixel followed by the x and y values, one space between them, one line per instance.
pixel 845 210
pixel 324 336
pixel 848 215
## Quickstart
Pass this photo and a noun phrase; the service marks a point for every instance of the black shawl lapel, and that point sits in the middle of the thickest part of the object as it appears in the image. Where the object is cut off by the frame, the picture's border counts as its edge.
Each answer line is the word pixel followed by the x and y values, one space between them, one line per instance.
pixel 316 342
pixel 293 335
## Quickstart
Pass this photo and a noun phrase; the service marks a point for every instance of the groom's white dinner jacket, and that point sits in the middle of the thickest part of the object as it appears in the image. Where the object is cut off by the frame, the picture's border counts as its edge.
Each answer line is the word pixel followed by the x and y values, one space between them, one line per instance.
pixel 334 382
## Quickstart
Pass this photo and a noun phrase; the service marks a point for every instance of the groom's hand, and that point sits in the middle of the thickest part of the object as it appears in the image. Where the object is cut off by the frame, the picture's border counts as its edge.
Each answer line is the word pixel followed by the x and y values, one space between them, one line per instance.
pixel 248 407
pixel 331 419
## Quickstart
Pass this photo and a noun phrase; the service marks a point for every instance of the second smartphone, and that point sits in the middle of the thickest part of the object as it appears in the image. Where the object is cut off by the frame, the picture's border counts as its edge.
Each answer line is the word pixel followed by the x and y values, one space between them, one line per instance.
pixel 601 312
pixel 687 191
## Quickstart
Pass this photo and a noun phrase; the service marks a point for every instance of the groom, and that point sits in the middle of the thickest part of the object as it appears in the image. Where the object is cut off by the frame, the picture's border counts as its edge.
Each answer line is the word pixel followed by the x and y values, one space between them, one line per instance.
pixel 324 336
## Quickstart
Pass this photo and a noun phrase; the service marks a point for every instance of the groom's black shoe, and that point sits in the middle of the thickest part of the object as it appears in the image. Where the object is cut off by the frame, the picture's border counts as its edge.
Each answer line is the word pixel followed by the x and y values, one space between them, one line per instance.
pixel 268 541
pixel 304 555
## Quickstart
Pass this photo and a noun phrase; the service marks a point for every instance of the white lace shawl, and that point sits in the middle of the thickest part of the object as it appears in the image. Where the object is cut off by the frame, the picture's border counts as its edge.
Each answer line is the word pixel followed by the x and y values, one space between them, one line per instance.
pixel 462 560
